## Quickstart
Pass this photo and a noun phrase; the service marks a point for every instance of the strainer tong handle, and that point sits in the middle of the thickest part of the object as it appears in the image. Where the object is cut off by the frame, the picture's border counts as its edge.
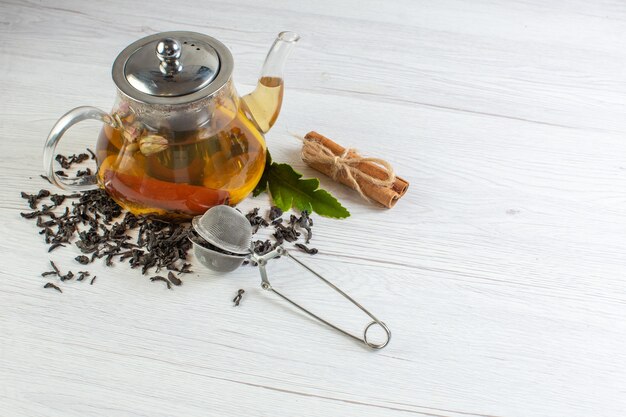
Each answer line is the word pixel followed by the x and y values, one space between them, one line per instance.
pixel 261 260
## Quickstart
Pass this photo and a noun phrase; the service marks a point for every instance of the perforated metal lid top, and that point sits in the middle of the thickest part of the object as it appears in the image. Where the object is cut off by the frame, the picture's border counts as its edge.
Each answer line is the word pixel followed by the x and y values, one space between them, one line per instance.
pixel 172 68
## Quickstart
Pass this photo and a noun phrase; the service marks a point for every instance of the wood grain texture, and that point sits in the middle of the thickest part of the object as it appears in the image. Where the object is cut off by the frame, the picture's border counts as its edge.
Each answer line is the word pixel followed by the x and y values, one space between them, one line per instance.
pixel 501 273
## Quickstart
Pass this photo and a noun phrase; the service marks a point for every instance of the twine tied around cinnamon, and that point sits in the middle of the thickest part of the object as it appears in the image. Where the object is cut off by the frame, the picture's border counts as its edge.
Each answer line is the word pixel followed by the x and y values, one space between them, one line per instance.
pixel 373 178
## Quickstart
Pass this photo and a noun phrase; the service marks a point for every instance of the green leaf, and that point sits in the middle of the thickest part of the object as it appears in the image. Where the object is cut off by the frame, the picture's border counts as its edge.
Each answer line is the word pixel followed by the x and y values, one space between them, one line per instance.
pixel 289 190
pixel 261 187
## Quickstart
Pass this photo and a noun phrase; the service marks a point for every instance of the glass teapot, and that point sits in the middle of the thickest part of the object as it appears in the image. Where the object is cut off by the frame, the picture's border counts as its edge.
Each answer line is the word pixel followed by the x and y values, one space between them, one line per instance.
pixel 179 139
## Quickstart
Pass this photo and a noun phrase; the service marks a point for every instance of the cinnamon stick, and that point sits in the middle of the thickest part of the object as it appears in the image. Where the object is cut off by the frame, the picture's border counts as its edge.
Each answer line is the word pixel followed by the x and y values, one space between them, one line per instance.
pixel 387 196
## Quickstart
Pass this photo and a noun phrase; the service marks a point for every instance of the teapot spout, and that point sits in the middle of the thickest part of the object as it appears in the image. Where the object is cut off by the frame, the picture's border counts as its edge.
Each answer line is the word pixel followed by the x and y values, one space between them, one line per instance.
pixel 262 105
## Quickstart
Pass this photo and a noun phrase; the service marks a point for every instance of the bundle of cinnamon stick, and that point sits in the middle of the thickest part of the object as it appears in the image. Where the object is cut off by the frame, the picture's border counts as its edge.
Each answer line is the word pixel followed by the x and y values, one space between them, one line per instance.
pixel 373 178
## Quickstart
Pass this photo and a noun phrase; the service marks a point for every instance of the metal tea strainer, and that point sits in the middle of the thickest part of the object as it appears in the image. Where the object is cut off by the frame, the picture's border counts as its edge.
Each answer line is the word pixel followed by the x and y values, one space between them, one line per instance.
pixel 226 241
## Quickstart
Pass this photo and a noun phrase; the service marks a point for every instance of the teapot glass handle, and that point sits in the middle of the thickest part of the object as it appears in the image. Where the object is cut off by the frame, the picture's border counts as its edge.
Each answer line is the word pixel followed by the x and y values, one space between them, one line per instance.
pixel 86 182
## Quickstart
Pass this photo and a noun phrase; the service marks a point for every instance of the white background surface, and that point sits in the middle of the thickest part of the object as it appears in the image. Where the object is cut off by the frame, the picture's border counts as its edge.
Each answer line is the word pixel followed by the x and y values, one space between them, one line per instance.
pixel 501 273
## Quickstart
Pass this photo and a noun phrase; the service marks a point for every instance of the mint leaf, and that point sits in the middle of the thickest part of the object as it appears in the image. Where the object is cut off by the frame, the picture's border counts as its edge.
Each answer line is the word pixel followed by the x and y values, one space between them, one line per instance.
pixel 288 190
pixel 261 186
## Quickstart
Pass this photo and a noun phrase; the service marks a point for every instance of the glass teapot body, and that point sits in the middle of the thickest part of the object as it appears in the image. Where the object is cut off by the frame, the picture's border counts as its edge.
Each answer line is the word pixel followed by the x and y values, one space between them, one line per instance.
pixel 179 138
pixel 180 160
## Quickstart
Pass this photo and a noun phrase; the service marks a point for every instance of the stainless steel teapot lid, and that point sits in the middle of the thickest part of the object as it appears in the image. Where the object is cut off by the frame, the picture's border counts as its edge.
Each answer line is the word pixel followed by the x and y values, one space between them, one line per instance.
pixel 172 68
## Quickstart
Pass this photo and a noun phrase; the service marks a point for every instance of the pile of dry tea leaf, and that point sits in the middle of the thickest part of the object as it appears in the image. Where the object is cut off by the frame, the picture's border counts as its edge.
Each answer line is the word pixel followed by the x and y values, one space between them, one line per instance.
pixel 285 230
pixel 101 229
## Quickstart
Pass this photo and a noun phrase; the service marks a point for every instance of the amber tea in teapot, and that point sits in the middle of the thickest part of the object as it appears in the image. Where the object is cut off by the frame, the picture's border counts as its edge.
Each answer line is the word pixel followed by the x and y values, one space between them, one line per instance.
pixel 179 139
pixel 179 171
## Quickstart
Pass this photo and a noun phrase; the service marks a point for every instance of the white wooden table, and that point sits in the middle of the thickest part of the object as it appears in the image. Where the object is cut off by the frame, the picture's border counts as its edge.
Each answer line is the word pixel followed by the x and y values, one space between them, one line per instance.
pixel 502 273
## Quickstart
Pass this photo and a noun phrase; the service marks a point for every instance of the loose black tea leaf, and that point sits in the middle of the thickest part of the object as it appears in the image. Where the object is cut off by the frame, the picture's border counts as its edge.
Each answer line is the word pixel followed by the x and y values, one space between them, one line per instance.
pixel 46 178
pixel 261 247
pixel 56 270
pixel 275 213
pixel 58 199
pixel 93 155
pixel 173 279
pixel 304 248
pixel 255 220
pixel 54 246
pixel 82 275
pixel 285 233
pixel 51 285
pixel 43 193
pixel 62 160
pixel 82 259
pixel 306 223
pixel 67 162
pixel 32 199
pixel 93 279
pixel 31 215
pixel 238 297
pixel 160 278
pixel 81 173
pixel 67 276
